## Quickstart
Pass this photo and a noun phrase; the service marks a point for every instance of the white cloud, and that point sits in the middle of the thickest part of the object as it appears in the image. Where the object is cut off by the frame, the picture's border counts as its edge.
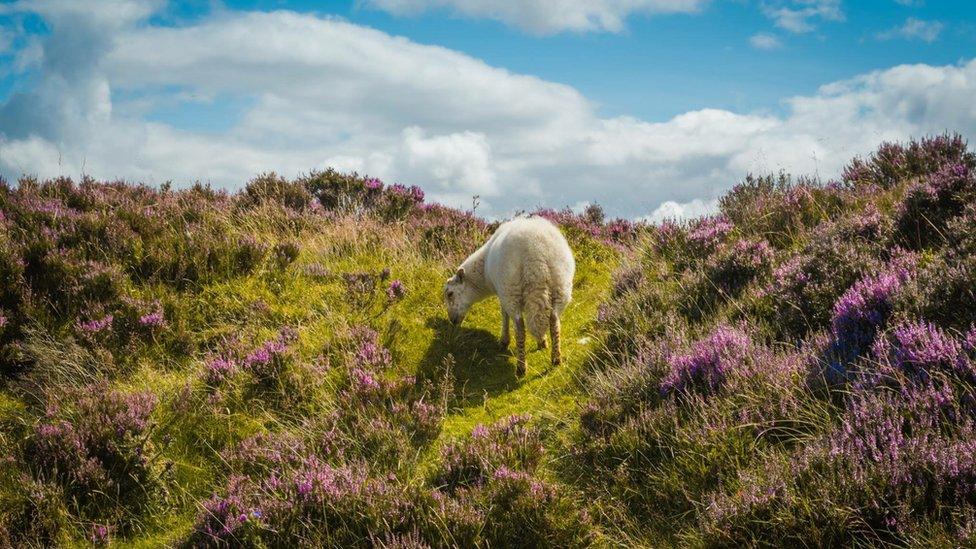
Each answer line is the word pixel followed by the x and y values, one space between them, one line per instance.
pixel 114 13
pixel 545 16
pixel 914 29
pixel 321 92
pixel 765 41
pixel 678 211
pixel 798 15
pixel 458 162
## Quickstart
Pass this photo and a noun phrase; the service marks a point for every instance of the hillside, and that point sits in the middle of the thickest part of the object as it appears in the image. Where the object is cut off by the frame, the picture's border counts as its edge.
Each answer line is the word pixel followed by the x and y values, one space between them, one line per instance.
pixel 275 367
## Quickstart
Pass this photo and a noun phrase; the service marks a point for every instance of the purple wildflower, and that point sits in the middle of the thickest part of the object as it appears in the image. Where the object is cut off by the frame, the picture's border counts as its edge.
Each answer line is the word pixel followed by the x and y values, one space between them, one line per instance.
pixel 709 362
pixel 154 319
pixel 920 349
pixel 396 290
pixel 218 369
pixel 364 381
pixel 370 353
pixel 707 233
pixel 97 325
pixel 100 534
pixel 864 308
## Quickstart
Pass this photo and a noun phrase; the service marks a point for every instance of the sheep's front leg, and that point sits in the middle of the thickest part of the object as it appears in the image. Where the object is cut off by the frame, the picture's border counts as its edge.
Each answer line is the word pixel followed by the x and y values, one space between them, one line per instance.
pixel 554 335
pixel 505 337
pixel 519 346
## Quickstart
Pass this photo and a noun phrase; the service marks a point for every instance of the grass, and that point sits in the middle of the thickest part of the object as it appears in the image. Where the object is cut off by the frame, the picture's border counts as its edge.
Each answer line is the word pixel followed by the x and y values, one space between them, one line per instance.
pixel 415 329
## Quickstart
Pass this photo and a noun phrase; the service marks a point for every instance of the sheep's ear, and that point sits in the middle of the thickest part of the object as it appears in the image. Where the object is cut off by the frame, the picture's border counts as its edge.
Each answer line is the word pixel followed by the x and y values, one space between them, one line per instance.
pixel 460 274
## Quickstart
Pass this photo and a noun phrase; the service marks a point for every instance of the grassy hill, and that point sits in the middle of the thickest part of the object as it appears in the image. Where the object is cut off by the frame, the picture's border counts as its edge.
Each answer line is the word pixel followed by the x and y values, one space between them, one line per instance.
pixel 275 367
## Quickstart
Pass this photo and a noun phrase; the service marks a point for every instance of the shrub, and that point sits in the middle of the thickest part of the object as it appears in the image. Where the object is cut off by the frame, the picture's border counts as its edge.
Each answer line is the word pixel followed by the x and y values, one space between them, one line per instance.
pixel 921 349
pixel 726 274
pixel 804 288
pixel 99 451
pixel 705 368
pixel 893 163
pixel 509 443
pixel 780 210
pixel 930 205
pixel 273 188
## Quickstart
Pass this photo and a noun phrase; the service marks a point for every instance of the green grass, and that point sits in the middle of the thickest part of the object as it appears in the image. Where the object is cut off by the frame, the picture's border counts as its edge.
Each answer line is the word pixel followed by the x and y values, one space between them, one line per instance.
pixel 415 329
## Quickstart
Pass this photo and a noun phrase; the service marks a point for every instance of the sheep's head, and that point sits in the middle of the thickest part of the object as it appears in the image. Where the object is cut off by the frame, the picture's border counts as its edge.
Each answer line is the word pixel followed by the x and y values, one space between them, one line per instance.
pixel 459 295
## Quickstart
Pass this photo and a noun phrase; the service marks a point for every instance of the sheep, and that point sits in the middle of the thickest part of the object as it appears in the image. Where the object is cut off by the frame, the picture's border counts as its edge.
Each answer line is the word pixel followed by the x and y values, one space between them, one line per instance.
pixel 529 265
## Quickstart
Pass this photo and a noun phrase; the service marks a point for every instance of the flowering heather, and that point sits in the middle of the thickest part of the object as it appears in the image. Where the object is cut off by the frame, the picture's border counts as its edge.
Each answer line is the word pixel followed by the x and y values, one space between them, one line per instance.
pixel 373 184
pixel 218 369
pixel 893 163
pixel 865 307
pixel 699 428
pixel 301 503
pixel 369 352
pixel 96 325
pixel 154 319
pixel 413 192
pixel 708 364
pixel 100 534
pixel 705 235
pixel 779 209
pixel 921 349
pixel 509 443
pixel 97 451
pixel 930 205
pixel 805 287
pixel 734 268
pixel 396 290
pixel 591 222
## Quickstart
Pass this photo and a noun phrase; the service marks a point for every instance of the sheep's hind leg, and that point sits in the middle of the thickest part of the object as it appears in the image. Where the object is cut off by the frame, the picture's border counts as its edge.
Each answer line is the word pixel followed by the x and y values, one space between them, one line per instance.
pixel 519 346
pixel 506 339
pixel 554 335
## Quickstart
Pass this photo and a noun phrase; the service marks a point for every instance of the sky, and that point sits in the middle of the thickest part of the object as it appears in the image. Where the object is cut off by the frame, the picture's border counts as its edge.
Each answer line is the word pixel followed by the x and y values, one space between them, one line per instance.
pixel 651 108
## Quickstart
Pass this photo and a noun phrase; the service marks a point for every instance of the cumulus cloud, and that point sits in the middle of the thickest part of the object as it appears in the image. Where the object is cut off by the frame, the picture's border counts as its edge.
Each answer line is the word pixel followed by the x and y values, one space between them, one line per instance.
pixel 545 16
pixel 765 41
pixel 798 16
pixel 678 211
pixel 914 29
pixel 315 92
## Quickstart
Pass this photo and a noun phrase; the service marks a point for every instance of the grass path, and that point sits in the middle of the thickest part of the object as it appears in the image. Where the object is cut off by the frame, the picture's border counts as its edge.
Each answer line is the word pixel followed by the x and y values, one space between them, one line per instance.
pixel 486 386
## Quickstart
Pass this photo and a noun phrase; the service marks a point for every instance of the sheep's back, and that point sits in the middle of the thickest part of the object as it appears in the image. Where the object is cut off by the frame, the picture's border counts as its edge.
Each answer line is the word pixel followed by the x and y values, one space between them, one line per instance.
pixel 530 255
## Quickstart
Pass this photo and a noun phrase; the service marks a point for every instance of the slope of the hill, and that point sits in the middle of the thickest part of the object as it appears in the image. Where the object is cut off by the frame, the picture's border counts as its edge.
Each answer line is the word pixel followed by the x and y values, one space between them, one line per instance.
pixel 798 369
pixel 273 367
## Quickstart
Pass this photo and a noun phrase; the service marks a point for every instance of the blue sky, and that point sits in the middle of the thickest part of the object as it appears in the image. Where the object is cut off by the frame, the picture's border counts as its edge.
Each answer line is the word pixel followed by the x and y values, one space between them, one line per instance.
pixel 651 107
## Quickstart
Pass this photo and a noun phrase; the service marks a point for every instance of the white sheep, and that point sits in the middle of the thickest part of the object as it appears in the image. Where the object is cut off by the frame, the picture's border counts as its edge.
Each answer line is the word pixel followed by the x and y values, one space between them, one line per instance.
pixel 528 264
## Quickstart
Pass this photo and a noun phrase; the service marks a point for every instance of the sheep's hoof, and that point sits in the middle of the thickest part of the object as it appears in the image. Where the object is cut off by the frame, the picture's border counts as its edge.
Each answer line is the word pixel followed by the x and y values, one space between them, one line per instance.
pixel 520 370
pixel 542 344
pixel 556 361
pixel 504 342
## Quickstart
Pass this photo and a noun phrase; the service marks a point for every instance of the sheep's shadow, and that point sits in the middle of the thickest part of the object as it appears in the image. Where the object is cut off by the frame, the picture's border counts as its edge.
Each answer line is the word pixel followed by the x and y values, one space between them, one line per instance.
pixel 482 367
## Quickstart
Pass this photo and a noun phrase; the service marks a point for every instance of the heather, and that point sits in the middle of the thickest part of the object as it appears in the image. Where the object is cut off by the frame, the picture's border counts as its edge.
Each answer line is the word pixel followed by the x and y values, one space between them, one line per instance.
pixel 797 368
pixel 273 367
